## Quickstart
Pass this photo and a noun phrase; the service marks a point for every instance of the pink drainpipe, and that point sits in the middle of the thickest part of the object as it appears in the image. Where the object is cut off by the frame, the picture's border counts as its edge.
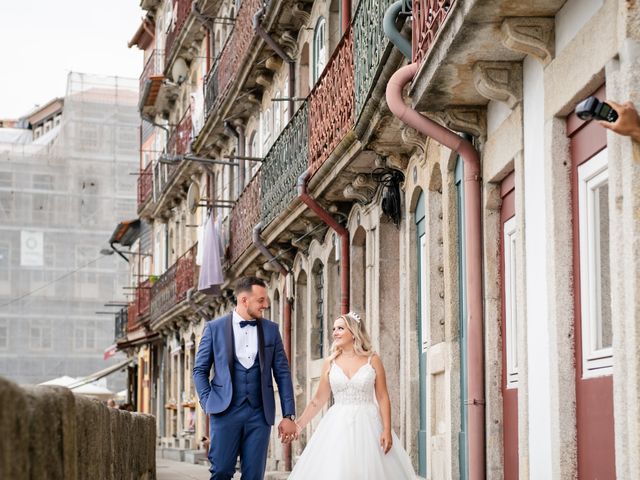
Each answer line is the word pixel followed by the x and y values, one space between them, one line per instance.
pixel 473 243
pixel 340 230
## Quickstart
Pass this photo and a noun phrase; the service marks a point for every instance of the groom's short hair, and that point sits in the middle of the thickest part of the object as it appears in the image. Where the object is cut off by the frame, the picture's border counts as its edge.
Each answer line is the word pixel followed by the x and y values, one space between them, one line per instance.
pixel 245 284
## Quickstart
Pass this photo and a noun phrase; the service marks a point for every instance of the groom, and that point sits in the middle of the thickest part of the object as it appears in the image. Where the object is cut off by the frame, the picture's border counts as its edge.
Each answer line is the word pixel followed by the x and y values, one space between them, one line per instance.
pixel 244 349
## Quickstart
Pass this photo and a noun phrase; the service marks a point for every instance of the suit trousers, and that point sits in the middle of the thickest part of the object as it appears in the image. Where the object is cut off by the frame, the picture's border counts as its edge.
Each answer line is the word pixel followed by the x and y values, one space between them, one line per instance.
pixel 239 430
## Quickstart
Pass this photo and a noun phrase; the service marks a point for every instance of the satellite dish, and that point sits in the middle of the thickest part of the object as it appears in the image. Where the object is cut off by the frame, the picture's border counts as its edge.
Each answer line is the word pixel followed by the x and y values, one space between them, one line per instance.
pixel 193 197
pixel 179 70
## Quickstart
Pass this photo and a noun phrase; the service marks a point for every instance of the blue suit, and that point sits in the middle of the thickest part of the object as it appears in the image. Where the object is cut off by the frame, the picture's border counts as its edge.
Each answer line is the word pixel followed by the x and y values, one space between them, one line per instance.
pixel 241 401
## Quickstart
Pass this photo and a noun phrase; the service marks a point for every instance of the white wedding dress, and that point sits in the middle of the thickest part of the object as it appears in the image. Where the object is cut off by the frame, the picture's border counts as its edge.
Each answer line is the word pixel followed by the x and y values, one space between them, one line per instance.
pixel 346 443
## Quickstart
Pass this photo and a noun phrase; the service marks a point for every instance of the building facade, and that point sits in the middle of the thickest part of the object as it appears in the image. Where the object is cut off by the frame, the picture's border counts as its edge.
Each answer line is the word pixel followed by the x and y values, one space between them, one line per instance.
pixel 64 180
pixel 483 231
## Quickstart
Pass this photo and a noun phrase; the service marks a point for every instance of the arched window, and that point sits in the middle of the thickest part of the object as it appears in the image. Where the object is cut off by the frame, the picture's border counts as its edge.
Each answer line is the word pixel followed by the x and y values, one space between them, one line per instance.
pixel 277 119
pixel 317 347
pixel 319 48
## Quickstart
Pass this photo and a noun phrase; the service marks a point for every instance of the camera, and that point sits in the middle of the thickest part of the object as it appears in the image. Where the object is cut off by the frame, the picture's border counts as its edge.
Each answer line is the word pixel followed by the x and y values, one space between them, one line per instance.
pixel 592 108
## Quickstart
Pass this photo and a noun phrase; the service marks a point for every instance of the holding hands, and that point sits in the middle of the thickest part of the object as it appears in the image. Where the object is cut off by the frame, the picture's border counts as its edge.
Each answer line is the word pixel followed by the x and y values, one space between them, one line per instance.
pixel 287 431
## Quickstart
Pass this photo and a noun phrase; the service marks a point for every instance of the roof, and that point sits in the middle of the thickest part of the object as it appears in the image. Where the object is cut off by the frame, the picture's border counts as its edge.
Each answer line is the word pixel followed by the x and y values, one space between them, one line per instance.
pixel 126 233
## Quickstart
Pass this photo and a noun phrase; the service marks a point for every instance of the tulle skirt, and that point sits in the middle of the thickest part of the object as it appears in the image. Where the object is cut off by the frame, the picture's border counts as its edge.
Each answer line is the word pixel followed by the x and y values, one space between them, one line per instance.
pixel 346 446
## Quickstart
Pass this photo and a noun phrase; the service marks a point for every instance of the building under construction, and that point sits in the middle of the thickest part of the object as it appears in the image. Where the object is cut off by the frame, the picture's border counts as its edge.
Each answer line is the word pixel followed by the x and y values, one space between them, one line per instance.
pixel 65 180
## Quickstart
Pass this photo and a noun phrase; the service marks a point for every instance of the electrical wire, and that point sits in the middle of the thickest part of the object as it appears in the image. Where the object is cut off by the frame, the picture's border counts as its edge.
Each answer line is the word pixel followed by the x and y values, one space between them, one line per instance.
pixel 71 272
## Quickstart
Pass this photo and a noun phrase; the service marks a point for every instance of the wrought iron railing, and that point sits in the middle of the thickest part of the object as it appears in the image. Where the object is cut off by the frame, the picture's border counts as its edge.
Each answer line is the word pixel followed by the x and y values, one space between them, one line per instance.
pixel 331 104
pixel 181 10
pixel 180 138
pixel 163 293
pixel 428 18
pixel 211 90
pixel 162 175
pixel 186 273
pixel 145 185
pixel 144 298
pixel 285 162
pixel 237 47
pixel 121 324
pixel 153 68
pixel 244 216
pixel 369 43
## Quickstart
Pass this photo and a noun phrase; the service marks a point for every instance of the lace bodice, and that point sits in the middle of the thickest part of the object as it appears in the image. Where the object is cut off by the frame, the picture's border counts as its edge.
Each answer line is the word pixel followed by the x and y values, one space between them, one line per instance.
pixel 357 390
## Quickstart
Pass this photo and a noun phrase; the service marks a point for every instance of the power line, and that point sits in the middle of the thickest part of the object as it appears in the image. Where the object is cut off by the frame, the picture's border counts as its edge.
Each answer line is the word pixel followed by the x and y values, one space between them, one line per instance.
pixel 17 299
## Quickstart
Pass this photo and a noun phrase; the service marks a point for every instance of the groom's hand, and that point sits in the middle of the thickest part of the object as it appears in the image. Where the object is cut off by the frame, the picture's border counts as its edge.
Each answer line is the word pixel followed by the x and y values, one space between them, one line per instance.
pixel 287 431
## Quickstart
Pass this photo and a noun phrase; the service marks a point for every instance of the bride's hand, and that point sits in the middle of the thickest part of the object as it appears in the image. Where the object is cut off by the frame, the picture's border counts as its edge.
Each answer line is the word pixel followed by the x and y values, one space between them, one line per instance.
pixel 386 441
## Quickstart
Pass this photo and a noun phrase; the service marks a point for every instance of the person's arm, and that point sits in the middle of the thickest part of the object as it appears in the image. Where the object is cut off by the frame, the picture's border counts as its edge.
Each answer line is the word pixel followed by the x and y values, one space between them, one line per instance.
pixel 202 366
pixel 319 399
pixel 628 122
pixel 282 375
pixel 382 395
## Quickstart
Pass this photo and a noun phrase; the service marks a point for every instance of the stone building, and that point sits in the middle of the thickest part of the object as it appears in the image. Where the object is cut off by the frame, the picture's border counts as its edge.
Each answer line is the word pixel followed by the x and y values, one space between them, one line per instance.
pixel 481 239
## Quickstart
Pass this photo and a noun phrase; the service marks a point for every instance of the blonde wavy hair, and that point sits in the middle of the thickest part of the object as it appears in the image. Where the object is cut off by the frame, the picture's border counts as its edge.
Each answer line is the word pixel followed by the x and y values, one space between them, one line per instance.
pixel 361 340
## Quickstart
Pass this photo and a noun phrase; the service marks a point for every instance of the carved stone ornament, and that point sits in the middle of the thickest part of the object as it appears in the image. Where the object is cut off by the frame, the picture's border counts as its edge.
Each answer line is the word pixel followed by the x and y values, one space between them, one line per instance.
pixel 273 63
pixel 361 190
pixel 413 138
pixel 300 14
pixel 500 81
pixel 467 120
pixel 289 44
pixel 534 36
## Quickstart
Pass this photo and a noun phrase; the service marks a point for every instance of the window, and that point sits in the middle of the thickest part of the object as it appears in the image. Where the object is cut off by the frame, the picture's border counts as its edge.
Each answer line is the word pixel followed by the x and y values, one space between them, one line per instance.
pixel 43 182
pixel 277 118
pixel 511 321
pixel 319 48
pixel 84 336
pixel 317 318
pixel 4 262
pixel 40 335
pixel 6 179
pixel 266 130
pixel 4 333
pixel 593 207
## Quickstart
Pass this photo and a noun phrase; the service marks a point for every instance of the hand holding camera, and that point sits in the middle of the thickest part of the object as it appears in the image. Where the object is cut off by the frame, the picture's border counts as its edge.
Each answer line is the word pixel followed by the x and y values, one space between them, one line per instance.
pixel 622 119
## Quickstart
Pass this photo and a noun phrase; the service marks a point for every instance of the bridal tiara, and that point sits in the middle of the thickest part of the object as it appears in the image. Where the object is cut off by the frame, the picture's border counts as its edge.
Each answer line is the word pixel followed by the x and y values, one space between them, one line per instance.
pixel 355 316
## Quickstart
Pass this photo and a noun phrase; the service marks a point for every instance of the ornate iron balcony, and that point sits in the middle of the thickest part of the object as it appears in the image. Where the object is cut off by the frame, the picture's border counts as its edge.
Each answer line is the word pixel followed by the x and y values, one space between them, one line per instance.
pixel 145 185
pixel 244 216
pixel 186 273
pixel 369 44
pixel 428 18
pixel 285 162
pixel 121 324
pixel 181 11
pixel 180 138
pixel 331 104
pixel 163 293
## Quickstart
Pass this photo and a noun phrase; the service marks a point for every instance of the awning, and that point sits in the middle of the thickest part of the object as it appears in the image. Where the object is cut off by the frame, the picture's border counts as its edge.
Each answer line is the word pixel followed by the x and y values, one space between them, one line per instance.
pixel 99 374
pixel 110 351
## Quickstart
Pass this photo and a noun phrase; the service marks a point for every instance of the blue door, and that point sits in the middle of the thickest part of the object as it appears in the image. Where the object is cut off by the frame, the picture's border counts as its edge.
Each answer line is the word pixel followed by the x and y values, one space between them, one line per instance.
pixel 421 326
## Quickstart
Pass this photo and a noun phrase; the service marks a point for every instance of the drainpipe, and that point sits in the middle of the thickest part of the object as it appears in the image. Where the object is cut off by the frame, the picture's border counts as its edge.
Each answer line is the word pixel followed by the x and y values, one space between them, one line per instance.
pixel 340 230
pixel 473 229
pixel 282 54
pixel 238 132
pixel 259 244
pixel 346 20
pixel 390 30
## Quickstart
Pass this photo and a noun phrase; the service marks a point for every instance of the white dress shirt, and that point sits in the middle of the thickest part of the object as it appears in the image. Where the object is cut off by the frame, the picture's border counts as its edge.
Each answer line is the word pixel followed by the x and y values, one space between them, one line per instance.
pixel 246 341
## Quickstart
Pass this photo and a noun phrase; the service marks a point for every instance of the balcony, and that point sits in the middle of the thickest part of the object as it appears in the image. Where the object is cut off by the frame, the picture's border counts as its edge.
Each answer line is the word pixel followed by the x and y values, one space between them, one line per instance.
pixel 139 308
pixel 331 104
pixel 369 46
pixel 211 90
pixel 145 186
pixel 244 216
pixel 186 273
pixel 151 82
pixel 172 286
pixel 428 18
pixel 121 324
pixel 181 11
pixel 180 138
pixel 285 162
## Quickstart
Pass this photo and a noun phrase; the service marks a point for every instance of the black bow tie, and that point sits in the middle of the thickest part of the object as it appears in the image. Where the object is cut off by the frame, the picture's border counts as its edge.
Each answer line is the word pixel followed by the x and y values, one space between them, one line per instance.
pixel 251 323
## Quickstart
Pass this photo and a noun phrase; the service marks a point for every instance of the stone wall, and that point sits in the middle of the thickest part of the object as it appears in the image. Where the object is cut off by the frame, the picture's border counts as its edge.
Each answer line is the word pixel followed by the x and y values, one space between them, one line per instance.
pixel 48 432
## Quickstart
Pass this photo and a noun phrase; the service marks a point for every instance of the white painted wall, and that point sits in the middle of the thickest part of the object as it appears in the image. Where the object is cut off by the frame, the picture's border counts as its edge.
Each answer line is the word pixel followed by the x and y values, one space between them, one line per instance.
pixel 538 351
pixel 572 17
pixel 497 112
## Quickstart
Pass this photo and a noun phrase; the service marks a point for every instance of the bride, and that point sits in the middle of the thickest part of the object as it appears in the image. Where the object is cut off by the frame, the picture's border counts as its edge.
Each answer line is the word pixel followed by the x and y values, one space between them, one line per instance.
pixel 354 440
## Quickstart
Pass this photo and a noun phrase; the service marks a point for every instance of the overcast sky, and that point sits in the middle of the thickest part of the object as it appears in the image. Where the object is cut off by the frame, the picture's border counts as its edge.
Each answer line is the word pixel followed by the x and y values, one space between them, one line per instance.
pixel 41 41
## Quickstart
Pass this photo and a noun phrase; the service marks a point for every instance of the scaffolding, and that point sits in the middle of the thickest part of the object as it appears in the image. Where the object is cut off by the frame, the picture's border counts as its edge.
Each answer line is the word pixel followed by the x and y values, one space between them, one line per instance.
pixel 61 196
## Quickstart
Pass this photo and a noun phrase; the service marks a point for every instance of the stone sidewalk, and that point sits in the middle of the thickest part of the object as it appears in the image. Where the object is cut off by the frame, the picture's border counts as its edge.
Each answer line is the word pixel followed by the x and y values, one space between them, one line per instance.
pixel 170 470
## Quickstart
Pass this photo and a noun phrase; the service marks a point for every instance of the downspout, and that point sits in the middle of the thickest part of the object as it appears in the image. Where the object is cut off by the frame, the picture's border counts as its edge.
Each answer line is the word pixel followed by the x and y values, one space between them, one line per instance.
pixel 346 20
pixel 473 239
pixel 390 30
pixel 340 230
pixel 259 244
pixel 238 132
pixel 282 54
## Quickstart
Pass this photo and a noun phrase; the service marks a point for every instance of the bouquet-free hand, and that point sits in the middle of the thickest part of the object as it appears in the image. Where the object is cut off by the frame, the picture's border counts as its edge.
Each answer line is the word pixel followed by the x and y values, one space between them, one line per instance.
pixel 628 122
pixel 386 441
pixel 287 431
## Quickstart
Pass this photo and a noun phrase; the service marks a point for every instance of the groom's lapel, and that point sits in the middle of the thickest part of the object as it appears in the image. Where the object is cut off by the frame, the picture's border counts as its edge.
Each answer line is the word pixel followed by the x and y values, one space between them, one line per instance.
pixel 260 343
pixel 229 341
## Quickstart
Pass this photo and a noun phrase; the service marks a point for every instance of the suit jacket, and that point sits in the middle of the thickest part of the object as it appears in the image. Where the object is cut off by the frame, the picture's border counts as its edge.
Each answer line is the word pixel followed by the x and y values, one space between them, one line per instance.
pixel 217 350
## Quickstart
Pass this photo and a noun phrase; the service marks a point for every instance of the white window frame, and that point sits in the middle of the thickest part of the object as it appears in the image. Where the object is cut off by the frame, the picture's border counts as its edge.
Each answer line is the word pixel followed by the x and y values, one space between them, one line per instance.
pixel 509 237
pixel 593 174
pixel 320 57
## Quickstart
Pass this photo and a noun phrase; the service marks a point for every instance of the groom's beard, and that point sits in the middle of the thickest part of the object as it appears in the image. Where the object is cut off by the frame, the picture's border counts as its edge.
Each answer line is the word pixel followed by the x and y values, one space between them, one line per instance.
pixel 255 314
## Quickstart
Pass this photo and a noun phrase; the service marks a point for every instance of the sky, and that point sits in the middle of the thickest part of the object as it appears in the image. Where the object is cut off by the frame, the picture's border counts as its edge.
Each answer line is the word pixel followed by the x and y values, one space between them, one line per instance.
pixel 41 41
